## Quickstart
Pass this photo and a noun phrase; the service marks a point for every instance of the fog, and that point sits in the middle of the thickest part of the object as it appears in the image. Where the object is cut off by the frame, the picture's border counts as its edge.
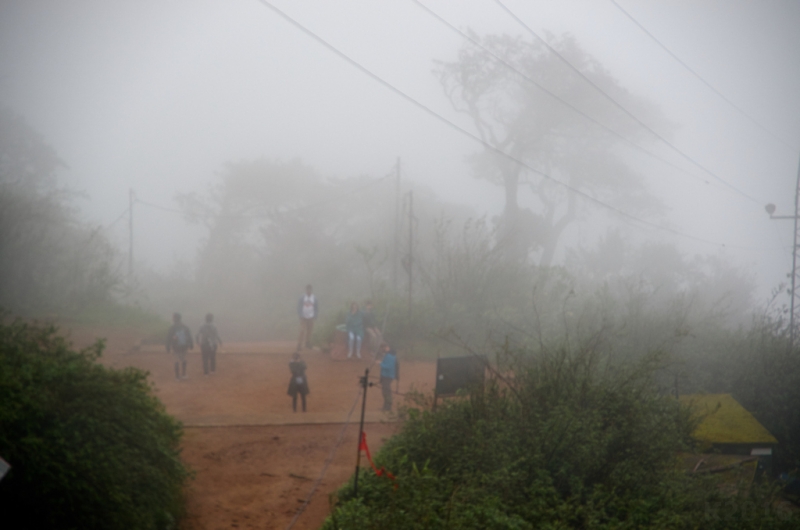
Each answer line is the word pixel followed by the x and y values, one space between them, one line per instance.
pixel 161 98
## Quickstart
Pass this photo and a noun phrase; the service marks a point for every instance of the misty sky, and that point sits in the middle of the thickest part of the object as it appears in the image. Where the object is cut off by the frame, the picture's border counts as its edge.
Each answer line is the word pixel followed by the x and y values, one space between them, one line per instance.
pixel 157 96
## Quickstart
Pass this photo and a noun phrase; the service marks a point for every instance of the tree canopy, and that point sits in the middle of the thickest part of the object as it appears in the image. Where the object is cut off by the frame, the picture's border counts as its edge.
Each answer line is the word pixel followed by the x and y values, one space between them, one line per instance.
pixel 89 447
pixel 50 260
pixel 525 103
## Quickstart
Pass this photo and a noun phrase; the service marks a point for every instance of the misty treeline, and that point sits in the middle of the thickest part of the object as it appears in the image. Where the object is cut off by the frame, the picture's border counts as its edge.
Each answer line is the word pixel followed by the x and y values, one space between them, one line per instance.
pixel 51 260
pixel 274 226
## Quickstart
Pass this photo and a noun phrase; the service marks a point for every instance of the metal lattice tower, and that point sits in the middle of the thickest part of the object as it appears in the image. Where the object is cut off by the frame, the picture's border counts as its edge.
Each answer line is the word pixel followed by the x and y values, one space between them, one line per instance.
pixel 794 303
pixel 795 306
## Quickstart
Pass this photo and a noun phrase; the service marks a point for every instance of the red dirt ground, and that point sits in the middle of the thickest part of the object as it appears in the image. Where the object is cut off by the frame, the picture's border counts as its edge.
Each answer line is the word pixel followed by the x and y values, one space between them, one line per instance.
pixel 255 460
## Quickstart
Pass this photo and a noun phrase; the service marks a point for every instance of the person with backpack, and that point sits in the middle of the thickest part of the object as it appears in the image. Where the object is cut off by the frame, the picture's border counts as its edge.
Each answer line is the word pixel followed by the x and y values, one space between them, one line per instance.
pixel 179 341
pixel 298 384
pixel 208 339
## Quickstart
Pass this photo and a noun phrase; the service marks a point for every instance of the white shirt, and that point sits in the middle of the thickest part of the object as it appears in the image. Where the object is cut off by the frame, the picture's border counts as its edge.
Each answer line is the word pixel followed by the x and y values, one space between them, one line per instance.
pixel 308 306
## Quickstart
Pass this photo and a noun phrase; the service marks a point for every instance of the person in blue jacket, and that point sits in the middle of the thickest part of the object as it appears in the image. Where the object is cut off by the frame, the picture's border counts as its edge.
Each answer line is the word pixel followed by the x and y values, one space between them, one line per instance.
pixel 390 371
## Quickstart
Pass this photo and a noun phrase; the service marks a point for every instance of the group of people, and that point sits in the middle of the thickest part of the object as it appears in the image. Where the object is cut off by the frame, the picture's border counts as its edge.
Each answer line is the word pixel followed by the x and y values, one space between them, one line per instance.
pixel 359 323
pixel 179 341
pixel 390 372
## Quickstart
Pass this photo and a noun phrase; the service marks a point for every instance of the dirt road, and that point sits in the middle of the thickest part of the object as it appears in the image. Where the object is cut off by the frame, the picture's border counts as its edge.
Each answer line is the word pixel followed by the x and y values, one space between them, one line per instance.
pixel 256 460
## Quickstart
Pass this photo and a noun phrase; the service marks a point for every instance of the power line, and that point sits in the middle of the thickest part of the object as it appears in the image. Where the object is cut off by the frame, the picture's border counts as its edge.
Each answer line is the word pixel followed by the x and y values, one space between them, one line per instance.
pixel 709 85
pixel 622 108
pixel 118 219
pixel 555 96
pixel 469 134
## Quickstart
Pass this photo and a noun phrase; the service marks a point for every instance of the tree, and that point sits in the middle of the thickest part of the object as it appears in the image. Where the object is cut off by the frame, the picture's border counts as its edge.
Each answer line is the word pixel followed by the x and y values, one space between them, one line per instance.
pixel 275 226
pixel 89 446
pixel 50 261
pixel 513 113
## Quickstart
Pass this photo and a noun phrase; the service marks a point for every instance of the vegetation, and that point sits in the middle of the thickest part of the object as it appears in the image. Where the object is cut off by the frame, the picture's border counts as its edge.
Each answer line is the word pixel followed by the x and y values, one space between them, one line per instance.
pixel 523 104
pixel 50 261
pixel 763 374
pixel 90 447
pixel 572 441
pixel 274 226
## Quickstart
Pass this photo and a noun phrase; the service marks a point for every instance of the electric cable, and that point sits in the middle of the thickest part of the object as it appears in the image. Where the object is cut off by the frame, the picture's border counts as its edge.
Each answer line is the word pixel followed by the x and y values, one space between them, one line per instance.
pixel 623 109
pixel 700 78
pixel 471 135
pixel 118 219
pixel 555 96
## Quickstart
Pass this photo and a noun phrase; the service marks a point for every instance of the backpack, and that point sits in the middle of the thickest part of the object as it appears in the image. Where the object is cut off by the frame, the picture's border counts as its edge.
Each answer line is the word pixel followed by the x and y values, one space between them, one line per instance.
pixel 207 341
pixel 180 339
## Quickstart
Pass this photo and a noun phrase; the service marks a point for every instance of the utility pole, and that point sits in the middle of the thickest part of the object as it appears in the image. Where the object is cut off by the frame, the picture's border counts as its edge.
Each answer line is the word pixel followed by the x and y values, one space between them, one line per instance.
pixel 410 249
pixel 396 256
pixel 131 200
pixel 795 250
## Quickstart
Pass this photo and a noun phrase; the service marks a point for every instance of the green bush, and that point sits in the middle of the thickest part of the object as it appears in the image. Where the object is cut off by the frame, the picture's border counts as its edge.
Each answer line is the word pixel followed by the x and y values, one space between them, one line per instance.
pixel 90 447
pixel 570 441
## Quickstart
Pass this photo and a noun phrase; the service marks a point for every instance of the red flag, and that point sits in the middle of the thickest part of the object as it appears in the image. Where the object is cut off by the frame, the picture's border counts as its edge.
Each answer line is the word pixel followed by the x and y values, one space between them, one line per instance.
pixel 362 446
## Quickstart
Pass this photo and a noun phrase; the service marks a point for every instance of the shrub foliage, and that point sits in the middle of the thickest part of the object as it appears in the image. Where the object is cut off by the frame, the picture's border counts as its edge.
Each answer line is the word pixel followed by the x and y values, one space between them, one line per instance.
pixel 567 441
pixel 90 447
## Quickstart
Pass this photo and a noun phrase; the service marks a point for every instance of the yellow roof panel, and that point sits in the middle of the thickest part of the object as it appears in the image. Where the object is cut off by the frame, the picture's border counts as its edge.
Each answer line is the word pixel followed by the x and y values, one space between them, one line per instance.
pixel 724 420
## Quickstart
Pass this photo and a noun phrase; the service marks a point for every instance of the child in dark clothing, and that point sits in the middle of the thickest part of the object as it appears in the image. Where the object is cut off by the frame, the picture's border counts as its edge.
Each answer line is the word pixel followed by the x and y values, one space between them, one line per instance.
pixel 298 384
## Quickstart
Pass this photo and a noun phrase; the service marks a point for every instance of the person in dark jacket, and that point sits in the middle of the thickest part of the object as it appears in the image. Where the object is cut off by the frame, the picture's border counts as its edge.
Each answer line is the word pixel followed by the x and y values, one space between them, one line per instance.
pixel 179 341
pixel 390 371
pixel 298 384
pixel 307 310
pixel 208 339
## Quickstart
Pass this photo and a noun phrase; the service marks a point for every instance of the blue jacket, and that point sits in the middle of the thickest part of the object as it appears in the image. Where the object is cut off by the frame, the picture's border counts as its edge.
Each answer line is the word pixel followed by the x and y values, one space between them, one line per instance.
pixel 355 323
pixel 389 367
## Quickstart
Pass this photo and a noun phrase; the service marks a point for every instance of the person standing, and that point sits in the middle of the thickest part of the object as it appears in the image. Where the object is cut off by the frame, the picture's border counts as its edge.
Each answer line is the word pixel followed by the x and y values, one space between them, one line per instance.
pixel 179 341
pixel 307 310
pixel 390 371
pixel 208 339
pixel 355 330
pixel 298 384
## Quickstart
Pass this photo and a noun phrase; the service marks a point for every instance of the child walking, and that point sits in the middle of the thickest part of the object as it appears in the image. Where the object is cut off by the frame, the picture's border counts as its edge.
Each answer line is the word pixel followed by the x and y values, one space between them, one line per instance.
pixel 208 339
pixel 298 384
